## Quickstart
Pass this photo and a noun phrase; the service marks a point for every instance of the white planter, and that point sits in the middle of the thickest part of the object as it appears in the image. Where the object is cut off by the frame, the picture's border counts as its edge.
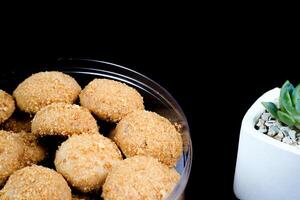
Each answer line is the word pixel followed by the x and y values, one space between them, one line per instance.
pixel 266 169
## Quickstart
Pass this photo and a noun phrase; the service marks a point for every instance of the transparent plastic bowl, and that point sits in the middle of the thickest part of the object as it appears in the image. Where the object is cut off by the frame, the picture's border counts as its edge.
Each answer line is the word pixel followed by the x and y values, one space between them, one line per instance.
pixel 156 98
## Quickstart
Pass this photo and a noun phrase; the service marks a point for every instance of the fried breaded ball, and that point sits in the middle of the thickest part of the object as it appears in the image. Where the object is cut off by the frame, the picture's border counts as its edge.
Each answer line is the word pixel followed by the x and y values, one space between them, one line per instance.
pixel 11 154
pixel 44 88
pixel 33 152
pixel 7 106
pixel 36 183
pixel 84 160
pixel 139 178
pixel 110 100
pixel 63 119
pixel 147 133
pixel 17 124
pixel 18 150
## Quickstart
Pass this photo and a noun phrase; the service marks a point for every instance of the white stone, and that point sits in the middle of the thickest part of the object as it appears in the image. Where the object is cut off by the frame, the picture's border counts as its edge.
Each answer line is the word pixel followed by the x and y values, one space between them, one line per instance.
pixel 265 116
pixel 279 136
pixel 263 129
pixel 292 134
pixel 260 122
pixel 270 123
pixel 271 133
pixel 287 140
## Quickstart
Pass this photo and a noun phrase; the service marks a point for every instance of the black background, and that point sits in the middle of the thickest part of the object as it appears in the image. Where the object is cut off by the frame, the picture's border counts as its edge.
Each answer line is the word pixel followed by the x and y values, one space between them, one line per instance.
pixel 215 69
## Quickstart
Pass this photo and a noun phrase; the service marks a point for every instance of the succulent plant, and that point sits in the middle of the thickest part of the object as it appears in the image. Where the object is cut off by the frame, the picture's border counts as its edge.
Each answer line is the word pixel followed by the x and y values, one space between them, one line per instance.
pixel 289 106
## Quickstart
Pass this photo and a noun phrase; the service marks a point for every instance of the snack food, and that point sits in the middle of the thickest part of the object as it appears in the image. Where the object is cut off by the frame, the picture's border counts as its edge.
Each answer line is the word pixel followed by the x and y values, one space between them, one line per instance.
pixel 17 123
pixel 84 157
pixel 63 119
pixel 33 151
pixel 44 88
pixel 110 100
pixel 11 154
pixel 84 160
pixel 18 150
pixel 36 183
pixel 7 106
pixel 139 178
pixel 147 133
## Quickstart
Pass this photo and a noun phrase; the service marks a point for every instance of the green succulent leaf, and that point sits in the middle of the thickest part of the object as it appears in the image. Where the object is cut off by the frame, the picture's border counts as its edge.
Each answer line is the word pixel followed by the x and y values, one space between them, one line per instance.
pixel 271 108
pixel 296 98
pixel 285 118
pixel 287 103
pixel 286 88
pixel 297 118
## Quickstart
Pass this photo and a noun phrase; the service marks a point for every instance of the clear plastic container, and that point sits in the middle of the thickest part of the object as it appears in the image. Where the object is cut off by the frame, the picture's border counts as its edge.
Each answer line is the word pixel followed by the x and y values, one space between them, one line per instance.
pixel 156 98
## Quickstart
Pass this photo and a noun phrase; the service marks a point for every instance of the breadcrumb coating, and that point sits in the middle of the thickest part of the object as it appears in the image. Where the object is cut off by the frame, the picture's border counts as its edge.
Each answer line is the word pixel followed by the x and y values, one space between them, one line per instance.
pixel 84 160
pixel 17 124
pixel 44 88
pixel 87 161
pixel 33 152
pixel 11 154
pixel 7 106
pixel 139 178
pixel 36 183
pixel 110 100
pixel 63 119
pixel 18 150
pixel 147 133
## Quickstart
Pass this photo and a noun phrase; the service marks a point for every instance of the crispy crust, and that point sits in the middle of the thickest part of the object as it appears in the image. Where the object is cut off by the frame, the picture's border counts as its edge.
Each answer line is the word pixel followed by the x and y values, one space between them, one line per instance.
pixel 33 152
pixel 16 124
pixel 44 88
pixel 139 178
pixel 147 133
pixel 84 160
pixel 18 150
pixel 110 100
pixel 63 119
pixel 36 183
pixel 7 106
pixel 11 154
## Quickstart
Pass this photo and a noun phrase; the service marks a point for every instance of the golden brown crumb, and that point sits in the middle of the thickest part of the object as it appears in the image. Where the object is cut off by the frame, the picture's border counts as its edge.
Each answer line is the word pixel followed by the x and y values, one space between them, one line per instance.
pixel 84 160
pixel 110 100
pixel 33 152
pixel 63 119
pixel 44 88
pixel 36 183
pixel 147 133
pixel 11 154
pixel 7 106
pixel 139 178
pixel 18 150
pixel 17 124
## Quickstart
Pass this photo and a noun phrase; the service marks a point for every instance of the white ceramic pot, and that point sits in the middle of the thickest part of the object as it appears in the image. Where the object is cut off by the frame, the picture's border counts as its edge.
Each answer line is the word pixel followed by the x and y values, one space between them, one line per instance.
pixel 266 169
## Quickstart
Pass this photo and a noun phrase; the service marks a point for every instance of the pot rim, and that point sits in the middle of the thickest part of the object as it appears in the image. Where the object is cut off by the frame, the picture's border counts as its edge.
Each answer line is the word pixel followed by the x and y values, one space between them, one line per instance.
pixel 253 114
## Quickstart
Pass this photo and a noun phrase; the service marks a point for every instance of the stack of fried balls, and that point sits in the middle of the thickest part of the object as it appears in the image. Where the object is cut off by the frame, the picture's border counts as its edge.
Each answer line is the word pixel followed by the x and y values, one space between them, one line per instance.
pixel 50 110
